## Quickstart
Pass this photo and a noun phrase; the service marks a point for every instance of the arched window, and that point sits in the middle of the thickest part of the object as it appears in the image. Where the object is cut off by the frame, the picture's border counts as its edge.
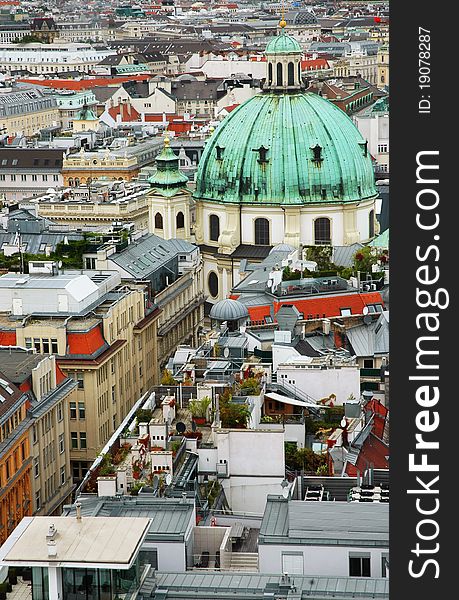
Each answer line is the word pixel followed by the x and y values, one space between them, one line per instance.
pixel 291 74
pixel 214 228
pixel 299 72
pixel 270 74
pixel 158 221
pixel 322 235
pixel 262 232
pixel 213 284
pixel 71 182
pixel 77 181
pixel 180 221
pixel 279 74
pixel 371 224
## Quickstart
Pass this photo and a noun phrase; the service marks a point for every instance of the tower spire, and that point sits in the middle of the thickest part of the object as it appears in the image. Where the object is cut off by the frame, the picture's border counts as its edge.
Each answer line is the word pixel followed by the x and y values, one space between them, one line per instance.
pixel 283 22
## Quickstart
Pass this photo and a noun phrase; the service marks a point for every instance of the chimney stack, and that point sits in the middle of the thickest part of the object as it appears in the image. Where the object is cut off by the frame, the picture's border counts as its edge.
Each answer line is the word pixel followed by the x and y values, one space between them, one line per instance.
pixel 78 511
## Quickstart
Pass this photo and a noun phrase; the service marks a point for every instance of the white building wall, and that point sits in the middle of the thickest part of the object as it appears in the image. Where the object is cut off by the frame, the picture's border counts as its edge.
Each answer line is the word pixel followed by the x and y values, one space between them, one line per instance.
pixel 249 494
pixel 275 217
pixel 320 560
pixel 171 556
pixel 321 383
pixel 282 354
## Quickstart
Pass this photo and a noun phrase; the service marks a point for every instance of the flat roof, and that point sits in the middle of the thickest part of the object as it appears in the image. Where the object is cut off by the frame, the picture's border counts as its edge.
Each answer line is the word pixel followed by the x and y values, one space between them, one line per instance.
pixel 324 523
pixel 193 585
pixel 91 541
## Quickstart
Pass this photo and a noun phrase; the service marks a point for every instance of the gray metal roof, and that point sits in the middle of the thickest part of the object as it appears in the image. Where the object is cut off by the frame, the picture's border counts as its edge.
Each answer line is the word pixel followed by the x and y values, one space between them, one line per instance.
pixel 200 585
pixel 324 523
pixel 149 253
pixel 372 339
pixel 170 518
pixel 228 310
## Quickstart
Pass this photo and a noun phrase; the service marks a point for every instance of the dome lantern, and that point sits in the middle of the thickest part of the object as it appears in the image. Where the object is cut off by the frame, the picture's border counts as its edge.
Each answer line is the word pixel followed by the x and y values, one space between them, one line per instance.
pixel 168 179
pixel 283 54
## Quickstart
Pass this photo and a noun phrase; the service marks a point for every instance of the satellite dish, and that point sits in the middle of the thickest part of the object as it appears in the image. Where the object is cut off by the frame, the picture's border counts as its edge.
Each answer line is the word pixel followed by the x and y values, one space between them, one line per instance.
pixel 193 426
pixel 155 483
pixel 168 478
pixel 365 310
pixel 226 352
pixel 181 427
pixel 59 264
pixel 343 422
pixel 285 492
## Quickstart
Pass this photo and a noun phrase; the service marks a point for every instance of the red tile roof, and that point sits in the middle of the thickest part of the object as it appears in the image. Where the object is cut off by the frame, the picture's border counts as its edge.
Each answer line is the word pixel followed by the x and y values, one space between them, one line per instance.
pixel 374 452
pixel 258 313
pixel 85 343
pixel 331 306
pixel 127 111
pixel 7 338
pixel 84 84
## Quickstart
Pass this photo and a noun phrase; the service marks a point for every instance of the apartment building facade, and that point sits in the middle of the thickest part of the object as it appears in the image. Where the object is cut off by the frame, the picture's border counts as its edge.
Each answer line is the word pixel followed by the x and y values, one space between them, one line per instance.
pixel 15 457
pixel 104 337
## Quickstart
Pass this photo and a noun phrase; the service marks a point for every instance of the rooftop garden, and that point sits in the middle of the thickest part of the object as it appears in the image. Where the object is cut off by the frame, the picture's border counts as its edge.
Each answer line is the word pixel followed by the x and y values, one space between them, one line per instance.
pixel 364 259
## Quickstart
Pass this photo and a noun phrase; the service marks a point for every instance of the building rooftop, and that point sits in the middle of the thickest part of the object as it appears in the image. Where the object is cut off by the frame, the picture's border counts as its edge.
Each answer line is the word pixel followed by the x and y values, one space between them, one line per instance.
pixel 324 523
pixel 91 541
pixel 169 518
pixel 197 586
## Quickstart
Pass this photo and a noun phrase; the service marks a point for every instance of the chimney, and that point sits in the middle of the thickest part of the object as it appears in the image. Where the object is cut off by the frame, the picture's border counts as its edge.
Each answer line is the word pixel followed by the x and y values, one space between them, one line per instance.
pixel 78 511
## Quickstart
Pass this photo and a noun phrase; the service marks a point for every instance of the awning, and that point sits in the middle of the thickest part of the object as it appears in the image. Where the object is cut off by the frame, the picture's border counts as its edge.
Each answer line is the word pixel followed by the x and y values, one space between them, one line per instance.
pixel 292 401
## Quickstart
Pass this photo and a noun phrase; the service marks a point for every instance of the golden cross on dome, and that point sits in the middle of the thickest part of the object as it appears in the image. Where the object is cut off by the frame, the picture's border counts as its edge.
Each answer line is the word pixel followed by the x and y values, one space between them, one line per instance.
pixel 283 22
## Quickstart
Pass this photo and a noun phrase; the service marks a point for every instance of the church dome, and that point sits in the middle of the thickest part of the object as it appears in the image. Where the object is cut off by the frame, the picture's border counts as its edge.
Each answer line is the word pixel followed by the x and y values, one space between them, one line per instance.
pixel 291 148
pixel 228 310
pixel 283 44
pixel 305 17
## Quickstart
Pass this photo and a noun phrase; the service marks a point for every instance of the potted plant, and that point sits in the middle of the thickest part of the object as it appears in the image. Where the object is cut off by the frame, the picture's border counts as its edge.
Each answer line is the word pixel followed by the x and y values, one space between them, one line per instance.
pixel 198 409
pixel 136 469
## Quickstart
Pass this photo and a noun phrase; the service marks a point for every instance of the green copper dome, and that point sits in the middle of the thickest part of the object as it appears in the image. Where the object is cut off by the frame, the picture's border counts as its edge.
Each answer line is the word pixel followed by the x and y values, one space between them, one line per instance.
pixel 286 148
pixel 168 178
pixel 283 44
pixel 86 114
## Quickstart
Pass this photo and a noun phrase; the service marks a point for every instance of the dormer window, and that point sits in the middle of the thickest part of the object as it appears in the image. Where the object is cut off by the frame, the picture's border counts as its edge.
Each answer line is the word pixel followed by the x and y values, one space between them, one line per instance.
pixel 317 154
pixel 262 154
pixel 220 151
pixel 364 146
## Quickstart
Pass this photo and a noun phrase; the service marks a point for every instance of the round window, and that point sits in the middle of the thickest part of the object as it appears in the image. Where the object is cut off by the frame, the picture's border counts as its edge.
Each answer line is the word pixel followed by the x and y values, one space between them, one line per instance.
pixel 213 284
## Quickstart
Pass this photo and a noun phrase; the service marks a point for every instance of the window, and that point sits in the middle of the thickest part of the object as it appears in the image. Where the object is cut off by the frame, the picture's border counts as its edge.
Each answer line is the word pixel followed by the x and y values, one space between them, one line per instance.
pixel 37 500
pixel 36 467
pixel 45 342
pixel 83 440
pixel 322 231
pixel 368 363
pixel 382 148
pixel 384 565
pixel 279 74
pixel 345 312
pixel 262 232
pixel 80 381
pixel 53 345
pixel 28 342
pixel 214 228
pixel 63 475
pixel 74 437
pixel 60 414
pixel 158 221
pixel 114 392
pixel 359 565
pixel 37 344
pixel 180 221
pixel 61 443
pixel 34 434
pixel 81 410
pixel 291 74
pixel 213 284
pixel 73 413
pixel 371 224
